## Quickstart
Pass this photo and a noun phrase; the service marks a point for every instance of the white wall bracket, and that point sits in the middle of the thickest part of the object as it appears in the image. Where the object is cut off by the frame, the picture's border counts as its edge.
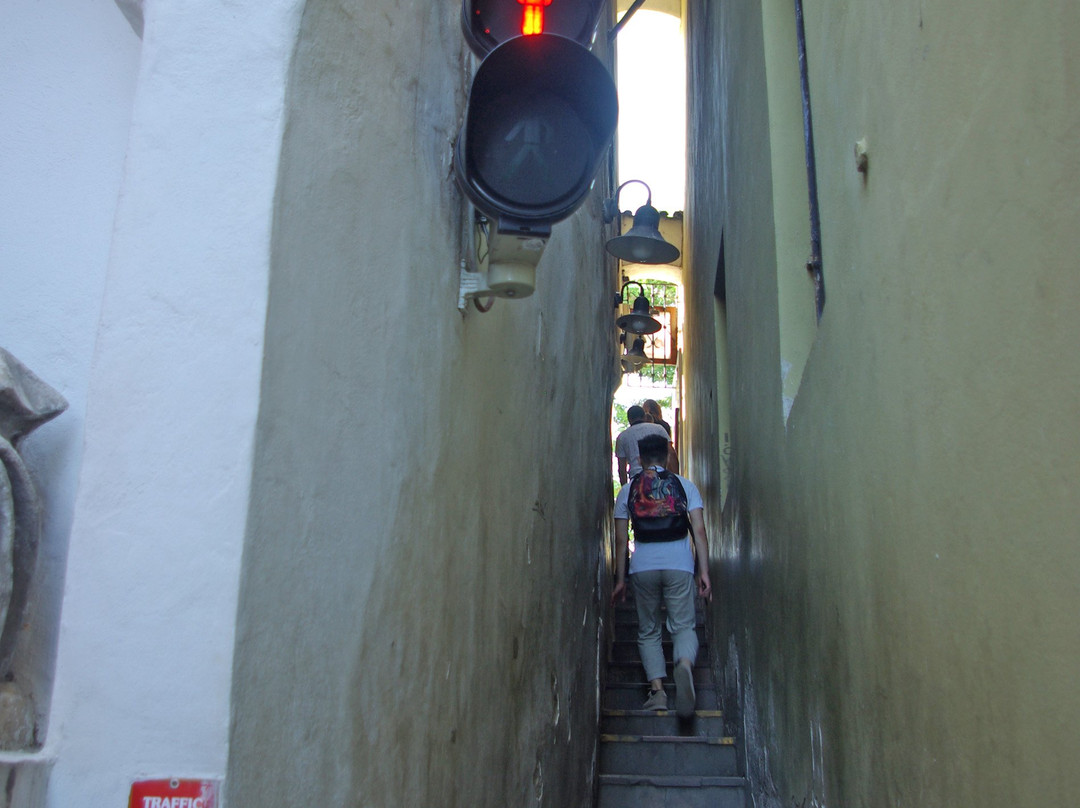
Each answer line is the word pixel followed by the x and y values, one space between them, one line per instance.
pixel 499 264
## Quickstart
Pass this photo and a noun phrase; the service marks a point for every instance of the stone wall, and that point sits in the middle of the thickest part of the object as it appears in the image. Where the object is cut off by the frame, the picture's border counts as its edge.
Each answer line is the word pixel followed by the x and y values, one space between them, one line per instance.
pixel 898 558
pixel 418 617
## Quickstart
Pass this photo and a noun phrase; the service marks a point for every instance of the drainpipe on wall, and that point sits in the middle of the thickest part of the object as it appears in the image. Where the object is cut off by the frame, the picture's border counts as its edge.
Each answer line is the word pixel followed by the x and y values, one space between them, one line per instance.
pixel 813 266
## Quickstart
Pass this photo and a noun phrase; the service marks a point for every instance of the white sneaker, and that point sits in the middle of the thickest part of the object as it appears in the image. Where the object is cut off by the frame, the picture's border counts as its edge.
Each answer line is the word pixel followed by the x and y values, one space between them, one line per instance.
pixel 657 700
pixel 685 695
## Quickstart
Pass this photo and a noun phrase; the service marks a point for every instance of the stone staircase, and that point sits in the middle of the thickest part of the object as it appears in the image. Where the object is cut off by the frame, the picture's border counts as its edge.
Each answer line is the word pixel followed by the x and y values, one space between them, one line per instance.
pixel 651 759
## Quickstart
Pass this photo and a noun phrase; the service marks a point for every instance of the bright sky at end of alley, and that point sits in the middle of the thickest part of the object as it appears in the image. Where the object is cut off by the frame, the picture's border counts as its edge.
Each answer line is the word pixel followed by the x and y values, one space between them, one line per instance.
pixel 651 77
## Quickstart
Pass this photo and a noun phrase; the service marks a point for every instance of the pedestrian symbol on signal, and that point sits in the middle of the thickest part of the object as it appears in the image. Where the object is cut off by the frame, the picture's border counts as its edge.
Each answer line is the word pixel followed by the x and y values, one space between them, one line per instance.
pixel 532 135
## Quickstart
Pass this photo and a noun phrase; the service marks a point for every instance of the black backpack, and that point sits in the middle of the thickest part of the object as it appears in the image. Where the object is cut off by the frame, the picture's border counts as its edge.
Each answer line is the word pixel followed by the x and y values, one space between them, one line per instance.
pixel 657 503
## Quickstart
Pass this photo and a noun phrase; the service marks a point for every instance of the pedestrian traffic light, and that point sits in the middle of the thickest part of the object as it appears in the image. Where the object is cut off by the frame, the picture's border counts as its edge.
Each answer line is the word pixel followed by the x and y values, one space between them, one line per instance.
pixel 488 23
pixel 540 115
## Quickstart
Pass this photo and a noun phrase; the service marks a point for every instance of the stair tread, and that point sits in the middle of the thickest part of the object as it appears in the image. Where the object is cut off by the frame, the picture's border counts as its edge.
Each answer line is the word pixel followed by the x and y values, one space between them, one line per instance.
pixel 643 685
pixel 615 713
pixel 673 780
pixel 682 757
pixel 694 739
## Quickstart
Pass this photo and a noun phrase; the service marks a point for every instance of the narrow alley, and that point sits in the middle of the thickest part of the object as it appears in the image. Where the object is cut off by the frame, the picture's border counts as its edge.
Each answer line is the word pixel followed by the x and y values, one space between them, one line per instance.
pixel 317 318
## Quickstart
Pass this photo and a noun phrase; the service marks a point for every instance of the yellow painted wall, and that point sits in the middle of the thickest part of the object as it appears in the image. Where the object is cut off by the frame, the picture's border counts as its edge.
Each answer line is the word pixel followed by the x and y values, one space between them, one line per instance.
pixel 901 563
pixel 418 619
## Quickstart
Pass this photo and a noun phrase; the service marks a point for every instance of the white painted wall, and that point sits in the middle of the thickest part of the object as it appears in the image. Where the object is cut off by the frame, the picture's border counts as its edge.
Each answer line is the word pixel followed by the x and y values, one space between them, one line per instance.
pixel 67 78
pixel 146 638
pixel 160 345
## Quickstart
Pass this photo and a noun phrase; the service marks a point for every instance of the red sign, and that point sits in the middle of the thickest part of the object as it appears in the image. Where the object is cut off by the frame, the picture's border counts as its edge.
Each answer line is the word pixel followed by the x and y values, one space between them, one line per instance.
pixel 174 793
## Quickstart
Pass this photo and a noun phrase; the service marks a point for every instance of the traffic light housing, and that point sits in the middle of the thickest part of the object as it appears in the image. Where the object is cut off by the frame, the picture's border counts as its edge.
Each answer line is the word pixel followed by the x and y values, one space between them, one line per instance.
pixel 489 23
pixel 540 115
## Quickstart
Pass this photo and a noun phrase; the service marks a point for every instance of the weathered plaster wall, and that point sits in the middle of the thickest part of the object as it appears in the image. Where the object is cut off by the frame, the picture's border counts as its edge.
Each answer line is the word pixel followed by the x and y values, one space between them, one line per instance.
pixel 67 77
pixel 146 642
pixel 900 564
pixel 418 614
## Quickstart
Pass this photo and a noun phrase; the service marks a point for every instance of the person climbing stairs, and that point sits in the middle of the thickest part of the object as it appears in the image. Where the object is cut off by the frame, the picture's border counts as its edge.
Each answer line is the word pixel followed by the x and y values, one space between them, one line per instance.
pixel 653 758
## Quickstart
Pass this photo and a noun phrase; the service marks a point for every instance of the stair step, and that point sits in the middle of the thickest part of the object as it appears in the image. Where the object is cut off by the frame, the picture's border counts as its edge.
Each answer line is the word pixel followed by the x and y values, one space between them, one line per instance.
pixel 626 653
pixel 704 723
pixel 667 755
pixel 632 672
pixel 630 638
pixel 636 791
pixel 627 632
pixel 631 695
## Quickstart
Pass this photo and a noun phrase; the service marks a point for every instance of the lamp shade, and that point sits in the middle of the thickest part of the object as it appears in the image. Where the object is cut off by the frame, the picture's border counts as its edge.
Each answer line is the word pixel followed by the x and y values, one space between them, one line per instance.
pixel 639 321
pixel 643 244
pixel 636 357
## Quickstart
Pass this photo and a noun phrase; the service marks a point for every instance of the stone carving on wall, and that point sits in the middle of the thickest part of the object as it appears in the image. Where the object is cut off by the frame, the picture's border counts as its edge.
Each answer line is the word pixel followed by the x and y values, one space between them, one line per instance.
pixel 26 402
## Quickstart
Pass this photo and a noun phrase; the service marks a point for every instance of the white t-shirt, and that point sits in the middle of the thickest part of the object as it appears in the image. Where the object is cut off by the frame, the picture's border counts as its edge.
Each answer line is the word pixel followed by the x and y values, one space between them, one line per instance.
pixel 661 555
pixel 626 445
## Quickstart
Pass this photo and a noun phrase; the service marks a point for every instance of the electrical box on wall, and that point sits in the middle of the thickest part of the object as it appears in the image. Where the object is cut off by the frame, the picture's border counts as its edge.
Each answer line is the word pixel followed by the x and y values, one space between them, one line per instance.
pixel 500 264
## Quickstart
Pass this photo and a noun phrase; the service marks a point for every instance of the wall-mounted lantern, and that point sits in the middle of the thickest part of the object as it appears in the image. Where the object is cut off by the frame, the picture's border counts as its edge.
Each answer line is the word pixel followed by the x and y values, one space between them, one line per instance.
pixel 640 319
pixel 635 356
pixel 642 244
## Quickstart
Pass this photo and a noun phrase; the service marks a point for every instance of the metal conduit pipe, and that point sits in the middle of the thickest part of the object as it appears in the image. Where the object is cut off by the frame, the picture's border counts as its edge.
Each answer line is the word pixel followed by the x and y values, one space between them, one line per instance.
pixel 614 32
pixel 814 265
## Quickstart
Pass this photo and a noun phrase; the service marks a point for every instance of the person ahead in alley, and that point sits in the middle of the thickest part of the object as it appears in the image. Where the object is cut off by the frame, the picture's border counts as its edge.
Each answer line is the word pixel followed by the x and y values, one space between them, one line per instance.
pixel 656 415
pixel 669 546
pixel 626 445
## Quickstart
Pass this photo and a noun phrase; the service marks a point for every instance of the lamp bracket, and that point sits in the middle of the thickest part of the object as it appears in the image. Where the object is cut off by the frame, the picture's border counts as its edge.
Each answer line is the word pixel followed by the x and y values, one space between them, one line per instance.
pixel 471 285
pixel 611 206
pixel 621 297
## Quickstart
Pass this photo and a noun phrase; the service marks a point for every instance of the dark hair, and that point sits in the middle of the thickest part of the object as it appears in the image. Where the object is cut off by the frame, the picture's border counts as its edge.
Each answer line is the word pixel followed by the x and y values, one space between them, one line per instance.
pixel 653 449
pixel 635 414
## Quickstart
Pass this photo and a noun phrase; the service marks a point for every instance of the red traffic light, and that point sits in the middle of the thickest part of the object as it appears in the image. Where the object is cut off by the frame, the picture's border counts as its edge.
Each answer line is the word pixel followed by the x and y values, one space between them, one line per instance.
pixel 489 23
pixel 532 19
pixel 540 116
